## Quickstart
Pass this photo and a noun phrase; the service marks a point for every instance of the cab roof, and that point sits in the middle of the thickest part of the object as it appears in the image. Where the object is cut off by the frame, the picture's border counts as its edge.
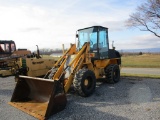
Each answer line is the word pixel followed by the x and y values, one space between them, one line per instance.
pixel 92 27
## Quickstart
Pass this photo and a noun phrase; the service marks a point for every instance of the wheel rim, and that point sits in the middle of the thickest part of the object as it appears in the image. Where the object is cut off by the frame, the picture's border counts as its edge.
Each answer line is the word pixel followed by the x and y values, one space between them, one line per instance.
pixel 86 82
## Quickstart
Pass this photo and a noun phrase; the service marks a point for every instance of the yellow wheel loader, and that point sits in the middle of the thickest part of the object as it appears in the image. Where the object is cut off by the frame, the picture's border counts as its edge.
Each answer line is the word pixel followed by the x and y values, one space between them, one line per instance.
pixel 79 66
pixel 9 57
pixel 21 61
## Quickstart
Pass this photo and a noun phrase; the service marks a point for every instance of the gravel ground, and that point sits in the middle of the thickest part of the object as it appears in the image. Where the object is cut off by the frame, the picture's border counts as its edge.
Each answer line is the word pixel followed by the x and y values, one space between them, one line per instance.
pixel 130 99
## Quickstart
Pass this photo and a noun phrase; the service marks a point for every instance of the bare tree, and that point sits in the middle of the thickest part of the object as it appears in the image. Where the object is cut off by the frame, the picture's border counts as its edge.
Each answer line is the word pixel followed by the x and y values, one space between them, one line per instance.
pixel 146 17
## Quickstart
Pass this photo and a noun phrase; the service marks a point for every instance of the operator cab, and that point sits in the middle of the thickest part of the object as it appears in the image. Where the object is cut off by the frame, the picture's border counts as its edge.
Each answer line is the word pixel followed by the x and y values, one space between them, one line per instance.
pixel 98 38
pixel 7 47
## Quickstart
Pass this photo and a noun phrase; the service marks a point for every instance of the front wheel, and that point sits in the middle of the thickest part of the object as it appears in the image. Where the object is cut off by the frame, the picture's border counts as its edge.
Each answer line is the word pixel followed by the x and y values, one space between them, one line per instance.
pixel 84 82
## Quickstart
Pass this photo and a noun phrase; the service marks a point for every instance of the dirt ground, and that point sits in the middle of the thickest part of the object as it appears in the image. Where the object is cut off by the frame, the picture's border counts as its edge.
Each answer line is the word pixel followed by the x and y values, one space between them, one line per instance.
pixel 130 99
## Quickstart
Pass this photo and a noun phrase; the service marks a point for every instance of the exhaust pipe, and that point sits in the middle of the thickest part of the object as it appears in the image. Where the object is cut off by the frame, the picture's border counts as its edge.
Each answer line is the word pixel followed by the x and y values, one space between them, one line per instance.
pixel 39 97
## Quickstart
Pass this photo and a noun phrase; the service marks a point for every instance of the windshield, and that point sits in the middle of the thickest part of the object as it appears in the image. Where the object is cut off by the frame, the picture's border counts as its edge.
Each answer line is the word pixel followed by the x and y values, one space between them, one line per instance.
pixel 98 38
pixel 87 35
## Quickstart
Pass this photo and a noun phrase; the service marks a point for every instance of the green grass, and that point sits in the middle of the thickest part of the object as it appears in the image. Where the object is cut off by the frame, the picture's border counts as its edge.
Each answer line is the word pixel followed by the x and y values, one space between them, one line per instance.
pixel 141 61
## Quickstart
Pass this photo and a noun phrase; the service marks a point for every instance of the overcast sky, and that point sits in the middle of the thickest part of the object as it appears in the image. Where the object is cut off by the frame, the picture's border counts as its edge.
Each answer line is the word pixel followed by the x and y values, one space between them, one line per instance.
pixel 51 23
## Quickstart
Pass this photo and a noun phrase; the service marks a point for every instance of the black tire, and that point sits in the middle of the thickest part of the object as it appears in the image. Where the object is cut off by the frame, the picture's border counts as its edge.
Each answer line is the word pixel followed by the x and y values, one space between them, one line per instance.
pixel 84 82
pixel 112 74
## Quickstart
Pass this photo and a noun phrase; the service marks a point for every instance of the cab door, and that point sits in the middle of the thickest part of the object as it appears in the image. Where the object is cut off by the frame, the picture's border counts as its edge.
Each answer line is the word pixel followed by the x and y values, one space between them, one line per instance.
pixel 103 45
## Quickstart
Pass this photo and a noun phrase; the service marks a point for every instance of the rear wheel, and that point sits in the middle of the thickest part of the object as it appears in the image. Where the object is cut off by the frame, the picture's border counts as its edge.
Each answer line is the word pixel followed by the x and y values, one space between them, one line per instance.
pixel 84 82
pixel 112 73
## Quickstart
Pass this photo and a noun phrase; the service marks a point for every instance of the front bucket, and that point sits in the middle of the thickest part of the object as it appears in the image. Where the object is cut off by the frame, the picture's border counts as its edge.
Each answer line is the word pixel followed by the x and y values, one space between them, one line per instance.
pixel 38 97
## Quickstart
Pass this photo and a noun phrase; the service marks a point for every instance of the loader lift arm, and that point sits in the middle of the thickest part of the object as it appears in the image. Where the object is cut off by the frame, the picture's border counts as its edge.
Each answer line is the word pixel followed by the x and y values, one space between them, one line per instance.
pixel 75 64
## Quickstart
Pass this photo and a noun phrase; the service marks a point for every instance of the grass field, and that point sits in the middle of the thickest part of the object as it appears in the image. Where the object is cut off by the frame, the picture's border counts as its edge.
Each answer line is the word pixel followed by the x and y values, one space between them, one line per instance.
pixel 141 61
pixel 136 61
